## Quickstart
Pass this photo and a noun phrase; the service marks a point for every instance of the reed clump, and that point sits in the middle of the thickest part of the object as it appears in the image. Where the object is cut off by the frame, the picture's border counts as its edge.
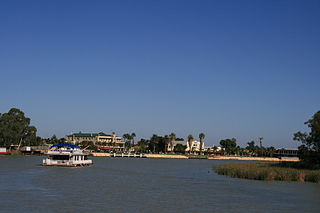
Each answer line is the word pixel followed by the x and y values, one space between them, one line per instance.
pixel 268 171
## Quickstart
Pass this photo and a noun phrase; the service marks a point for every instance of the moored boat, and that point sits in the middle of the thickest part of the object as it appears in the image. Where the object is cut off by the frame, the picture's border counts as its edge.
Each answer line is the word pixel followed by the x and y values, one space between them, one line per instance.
pixel 4 151
pixel 66 155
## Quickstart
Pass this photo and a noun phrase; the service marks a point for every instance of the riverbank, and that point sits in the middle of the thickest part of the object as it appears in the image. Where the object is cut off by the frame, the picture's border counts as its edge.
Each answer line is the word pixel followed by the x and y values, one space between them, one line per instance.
pixel 175 156
pixel 253 158
pixel 98 154
pixel 268 172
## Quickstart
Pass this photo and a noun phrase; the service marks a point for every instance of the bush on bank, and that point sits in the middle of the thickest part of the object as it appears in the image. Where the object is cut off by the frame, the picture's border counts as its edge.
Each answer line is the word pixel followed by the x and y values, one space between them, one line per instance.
pixel 268 171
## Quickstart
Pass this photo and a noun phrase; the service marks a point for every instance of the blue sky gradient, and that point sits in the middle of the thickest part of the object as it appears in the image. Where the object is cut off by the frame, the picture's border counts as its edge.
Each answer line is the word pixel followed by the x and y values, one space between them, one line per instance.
pixel 243 69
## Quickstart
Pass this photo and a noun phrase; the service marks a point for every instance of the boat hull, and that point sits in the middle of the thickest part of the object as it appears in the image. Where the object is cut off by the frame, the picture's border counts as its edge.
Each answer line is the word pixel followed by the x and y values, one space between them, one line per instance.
pixel 48 162
pixel 5 153
pixel 67 165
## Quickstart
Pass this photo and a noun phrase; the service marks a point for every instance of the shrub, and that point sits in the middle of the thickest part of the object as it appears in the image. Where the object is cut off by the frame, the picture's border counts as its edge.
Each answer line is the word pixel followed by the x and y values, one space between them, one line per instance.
pixel 313 176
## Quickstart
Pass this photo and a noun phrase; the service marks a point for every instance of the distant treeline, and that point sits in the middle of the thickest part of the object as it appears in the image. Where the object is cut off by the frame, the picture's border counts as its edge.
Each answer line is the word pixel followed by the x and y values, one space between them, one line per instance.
pixel 15 129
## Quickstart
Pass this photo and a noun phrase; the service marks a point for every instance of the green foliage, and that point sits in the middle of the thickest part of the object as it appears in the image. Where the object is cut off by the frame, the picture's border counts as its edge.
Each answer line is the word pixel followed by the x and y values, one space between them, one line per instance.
pixel 229 145
pixel 172 137
pixel 179 148
pixel 88 145
pixel 129 140
pixel 268 171
pixel 15 129
pixel 158 143
pixel 143 145
pixel 309 151
pixel 313 176
pixel 190 139
pixel 201 137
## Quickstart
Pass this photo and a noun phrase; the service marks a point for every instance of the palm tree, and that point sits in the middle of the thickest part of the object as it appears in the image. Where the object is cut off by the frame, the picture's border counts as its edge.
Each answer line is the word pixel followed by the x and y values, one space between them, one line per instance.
pixel 132 136
pixel 172 138
pixel 190 139
pixel 127 144
pixel 166 142
pixel 260 140
pixel 201 136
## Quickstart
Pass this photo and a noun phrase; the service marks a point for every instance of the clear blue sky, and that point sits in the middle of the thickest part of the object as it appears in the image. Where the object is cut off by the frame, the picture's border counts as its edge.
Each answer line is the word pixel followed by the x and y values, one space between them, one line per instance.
pixel 243 69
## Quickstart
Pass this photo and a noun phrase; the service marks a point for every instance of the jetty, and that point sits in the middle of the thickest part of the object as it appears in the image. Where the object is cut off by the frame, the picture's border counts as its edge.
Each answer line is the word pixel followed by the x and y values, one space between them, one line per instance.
pixel 128 155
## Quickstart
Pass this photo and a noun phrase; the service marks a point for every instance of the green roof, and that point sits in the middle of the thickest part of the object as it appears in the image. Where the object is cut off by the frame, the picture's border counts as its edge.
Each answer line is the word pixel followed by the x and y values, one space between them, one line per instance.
pixel 80 134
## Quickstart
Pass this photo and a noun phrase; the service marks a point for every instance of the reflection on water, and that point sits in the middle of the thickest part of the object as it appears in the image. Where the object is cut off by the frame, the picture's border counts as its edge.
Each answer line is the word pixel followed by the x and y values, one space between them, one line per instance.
pixel 144 185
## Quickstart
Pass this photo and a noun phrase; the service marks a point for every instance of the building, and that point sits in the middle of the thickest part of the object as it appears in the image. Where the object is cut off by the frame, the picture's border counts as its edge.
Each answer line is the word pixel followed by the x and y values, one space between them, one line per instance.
pixel 195 146
pixel 287 152
pixel 100 139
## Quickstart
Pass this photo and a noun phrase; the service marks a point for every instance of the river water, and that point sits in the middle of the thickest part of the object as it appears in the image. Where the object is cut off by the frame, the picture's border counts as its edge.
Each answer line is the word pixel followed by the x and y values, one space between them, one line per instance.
pixel 144 185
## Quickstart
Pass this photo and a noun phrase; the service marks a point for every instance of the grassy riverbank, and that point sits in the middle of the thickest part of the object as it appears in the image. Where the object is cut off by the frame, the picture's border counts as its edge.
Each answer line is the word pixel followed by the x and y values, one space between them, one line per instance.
pixel 269 171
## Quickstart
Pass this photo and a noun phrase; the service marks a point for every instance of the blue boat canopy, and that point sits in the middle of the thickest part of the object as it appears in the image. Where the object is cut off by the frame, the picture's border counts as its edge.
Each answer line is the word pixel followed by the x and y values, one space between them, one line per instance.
pixel 64 145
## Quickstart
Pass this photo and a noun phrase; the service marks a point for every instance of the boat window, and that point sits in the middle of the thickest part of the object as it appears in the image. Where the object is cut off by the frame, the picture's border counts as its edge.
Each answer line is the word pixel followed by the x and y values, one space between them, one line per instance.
pixel 60 157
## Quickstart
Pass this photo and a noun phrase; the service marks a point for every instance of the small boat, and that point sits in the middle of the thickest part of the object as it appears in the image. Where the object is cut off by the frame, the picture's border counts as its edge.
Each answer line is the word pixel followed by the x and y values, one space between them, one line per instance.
pixel 4 151
pixel 66 155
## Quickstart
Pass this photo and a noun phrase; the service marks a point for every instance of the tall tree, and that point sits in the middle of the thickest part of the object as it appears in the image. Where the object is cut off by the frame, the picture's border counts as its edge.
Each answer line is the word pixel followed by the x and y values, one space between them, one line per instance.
pixel 172 139
pixel 132 136
pixel 143 145
pixel 190 140
pixel 154 143
pixel 252 148
pixel 15 128
pixel 229 145
pixel 166 141
pixel 201 137
pixel 309 151
pixel 179 148
pixel 127 138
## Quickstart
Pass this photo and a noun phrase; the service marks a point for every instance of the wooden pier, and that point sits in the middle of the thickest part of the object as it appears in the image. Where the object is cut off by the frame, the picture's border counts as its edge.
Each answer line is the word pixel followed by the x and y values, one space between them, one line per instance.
pixel 128 155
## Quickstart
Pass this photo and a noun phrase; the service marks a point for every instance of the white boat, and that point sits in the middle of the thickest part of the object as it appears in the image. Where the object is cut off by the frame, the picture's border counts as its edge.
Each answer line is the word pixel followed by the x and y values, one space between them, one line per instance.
pixel 66 155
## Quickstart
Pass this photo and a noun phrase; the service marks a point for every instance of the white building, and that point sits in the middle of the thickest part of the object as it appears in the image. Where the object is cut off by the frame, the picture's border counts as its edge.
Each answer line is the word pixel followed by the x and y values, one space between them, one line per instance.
pixel 96 138
pixel 195 146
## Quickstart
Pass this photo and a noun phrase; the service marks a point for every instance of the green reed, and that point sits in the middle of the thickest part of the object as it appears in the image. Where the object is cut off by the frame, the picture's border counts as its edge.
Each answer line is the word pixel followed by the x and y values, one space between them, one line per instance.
pixel 268 171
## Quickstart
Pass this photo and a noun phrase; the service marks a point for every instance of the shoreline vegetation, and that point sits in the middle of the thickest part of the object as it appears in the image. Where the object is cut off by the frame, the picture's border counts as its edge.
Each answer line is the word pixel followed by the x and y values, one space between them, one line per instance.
pixel 208 157
pixel 307 170
pixel 16 133
pixel 283 171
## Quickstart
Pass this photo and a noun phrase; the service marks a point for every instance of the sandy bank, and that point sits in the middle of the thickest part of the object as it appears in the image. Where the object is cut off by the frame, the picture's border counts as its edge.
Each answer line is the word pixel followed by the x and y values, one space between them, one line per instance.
pixel 252 158
pixel 166 156
pixel 98 154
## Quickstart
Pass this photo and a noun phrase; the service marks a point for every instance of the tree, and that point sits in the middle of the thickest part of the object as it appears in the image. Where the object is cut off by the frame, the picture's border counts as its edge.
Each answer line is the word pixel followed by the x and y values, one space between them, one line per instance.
pixel 15 129
pixel 179 148
pixel 143 145
pixel 201 137
pixel 127 143
pixel 309 151
pixel 172 139
pixel 229 145
pixel 132 136
pixel 88 145
pixel 270 151
pixel 252 148
pixel 154 143
pixel 54 140
pixel 190 140
pixel 166 141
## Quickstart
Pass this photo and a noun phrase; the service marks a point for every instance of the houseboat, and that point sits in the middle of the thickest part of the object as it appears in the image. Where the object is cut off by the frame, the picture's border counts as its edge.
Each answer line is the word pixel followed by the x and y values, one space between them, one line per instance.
pixel 66 155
